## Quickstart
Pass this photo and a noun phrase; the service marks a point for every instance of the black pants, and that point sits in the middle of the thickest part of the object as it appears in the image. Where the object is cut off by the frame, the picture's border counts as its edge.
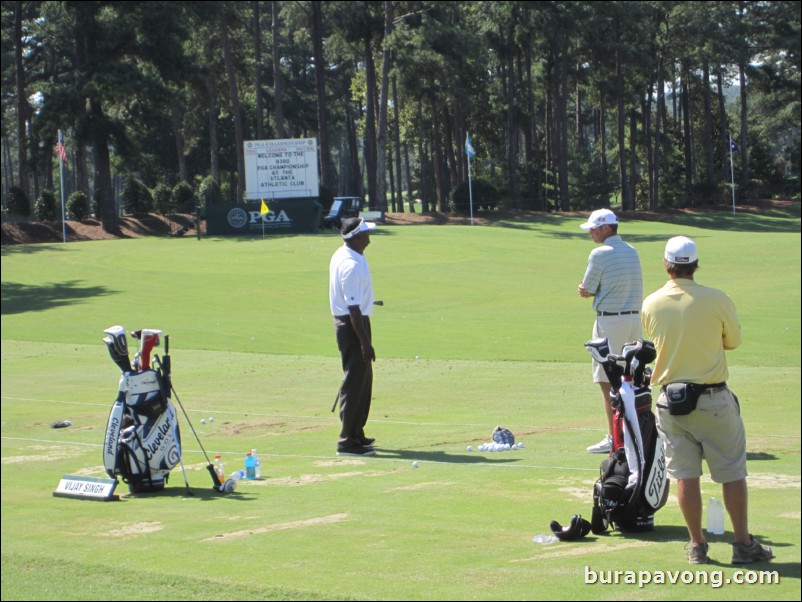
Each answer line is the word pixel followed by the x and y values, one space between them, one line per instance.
pixel 357 387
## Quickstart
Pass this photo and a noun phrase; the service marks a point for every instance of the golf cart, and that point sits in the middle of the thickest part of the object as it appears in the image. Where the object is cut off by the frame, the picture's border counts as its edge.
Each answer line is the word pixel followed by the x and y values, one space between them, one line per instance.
pixel 342 208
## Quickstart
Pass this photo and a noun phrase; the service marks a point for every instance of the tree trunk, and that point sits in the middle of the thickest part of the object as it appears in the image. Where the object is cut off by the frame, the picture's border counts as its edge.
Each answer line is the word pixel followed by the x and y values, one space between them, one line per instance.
pixel 565 203
pixel 22 102
pixel 633 160
pixel 370 123
pixel 381 134
pixel 743 139
pixel 326 172
pixel 622 142
pixel 724 144
pixel 687 135
pixel 103 189
pixel 257 56
pixel 397 137
pixel 654 199
pixel 179 143
pixel 353 146
pixel 235 108
pixel 710 170
pixel 278 92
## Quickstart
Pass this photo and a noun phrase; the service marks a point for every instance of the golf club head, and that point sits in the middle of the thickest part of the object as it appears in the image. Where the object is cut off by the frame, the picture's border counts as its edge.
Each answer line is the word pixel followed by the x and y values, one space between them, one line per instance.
pixel 117 333
pixel 149 340
pixel 599 349
pixel 117 355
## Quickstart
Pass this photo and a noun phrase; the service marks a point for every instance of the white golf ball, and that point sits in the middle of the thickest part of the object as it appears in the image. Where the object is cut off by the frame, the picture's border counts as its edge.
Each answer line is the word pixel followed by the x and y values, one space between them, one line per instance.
pixel 415 464
pixel 211 418
pixel 470 448
pixel 417 357
pixel 520 444
pixel 203 420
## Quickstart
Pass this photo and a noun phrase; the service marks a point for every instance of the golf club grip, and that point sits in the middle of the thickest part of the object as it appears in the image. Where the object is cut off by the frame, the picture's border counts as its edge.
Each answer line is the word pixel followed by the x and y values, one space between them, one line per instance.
pixel 215 480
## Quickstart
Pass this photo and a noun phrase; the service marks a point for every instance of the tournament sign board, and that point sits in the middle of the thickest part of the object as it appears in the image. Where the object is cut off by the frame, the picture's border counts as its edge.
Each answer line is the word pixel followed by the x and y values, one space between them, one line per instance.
pixel 281 169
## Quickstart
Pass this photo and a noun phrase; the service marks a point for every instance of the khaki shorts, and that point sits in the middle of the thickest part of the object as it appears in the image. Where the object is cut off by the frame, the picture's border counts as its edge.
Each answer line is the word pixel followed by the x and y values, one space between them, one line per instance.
pixel 619 330
pixel 713 431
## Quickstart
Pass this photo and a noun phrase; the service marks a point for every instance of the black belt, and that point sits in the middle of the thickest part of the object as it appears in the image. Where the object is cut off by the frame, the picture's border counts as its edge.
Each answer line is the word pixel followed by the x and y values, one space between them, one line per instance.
pixel 714 388
pixel 616 313
pixel 347 318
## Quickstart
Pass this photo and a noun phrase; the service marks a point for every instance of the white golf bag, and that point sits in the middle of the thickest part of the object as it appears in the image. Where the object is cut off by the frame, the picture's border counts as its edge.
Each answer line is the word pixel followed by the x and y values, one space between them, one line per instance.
pixel 143 442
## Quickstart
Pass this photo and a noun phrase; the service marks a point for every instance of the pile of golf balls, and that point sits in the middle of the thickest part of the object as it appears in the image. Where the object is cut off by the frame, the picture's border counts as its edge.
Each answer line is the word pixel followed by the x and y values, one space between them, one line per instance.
pixel 499 447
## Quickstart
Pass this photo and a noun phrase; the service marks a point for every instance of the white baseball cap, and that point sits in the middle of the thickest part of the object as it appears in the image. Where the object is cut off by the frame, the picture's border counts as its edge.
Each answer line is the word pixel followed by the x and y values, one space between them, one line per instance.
pixel 354 227
pixel 681 250
pixel 600 217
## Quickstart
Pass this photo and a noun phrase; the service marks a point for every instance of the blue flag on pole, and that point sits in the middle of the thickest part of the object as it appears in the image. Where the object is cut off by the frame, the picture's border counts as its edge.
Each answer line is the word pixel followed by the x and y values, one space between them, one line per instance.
pixel 733 145
pixel 469 152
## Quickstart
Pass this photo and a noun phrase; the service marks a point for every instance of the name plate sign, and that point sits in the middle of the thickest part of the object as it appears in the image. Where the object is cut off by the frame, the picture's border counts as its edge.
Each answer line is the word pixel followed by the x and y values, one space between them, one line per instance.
pixel 86 488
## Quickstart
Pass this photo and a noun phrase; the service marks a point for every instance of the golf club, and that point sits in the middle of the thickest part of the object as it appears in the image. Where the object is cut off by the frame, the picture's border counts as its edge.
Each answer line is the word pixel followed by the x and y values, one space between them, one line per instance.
pixel 165 366
pixel 148 339
pixel 118 347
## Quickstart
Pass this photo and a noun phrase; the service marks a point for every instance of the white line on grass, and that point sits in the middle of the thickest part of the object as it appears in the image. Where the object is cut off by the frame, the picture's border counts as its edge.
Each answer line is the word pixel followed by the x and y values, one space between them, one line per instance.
pixel 310 457
pixel 204 412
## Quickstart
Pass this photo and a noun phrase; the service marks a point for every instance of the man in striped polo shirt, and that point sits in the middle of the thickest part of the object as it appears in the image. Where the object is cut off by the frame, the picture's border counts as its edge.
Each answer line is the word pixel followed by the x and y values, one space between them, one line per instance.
pixel 613 278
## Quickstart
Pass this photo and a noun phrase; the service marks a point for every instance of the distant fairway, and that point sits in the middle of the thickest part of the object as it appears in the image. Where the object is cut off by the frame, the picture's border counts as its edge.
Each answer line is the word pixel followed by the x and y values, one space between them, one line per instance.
pixel 492 314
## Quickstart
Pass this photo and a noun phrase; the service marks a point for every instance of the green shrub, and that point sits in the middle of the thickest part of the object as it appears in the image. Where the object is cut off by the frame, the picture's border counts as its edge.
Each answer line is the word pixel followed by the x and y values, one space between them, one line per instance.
pixel 209 192
pixel 44 208
pixel 485 197
pixel 18 203
pixel 136 197
pixel 78 206
pixel 163 199
pixel 184 198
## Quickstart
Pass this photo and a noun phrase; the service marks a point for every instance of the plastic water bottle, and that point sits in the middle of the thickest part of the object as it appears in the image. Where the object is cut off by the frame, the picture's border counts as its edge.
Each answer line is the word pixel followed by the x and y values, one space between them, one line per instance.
pixel 219 469
pixel 545 539
pixel 237 475
pixel 258 471
pixel 715 517
pixel 250 467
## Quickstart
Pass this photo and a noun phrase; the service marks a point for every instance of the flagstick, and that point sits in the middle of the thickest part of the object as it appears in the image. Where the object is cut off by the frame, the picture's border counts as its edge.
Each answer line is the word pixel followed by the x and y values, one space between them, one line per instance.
pixel 470 188
pixel 732 177
pixel 61 179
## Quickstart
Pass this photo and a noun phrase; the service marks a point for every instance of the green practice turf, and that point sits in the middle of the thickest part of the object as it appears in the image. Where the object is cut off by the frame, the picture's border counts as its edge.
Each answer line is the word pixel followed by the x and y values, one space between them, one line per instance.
pixel 481 326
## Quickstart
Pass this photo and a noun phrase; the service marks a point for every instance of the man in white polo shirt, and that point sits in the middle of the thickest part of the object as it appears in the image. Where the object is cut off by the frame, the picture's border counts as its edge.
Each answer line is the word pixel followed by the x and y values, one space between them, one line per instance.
pixel 351 301
pixel 613 278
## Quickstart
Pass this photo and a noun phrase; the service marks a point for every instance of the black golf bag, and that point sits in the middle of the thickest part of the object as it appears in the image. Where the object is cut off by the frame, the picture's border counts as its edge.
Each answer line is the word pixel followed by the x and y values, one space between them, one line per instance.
pixel 633 483
pixel 143 442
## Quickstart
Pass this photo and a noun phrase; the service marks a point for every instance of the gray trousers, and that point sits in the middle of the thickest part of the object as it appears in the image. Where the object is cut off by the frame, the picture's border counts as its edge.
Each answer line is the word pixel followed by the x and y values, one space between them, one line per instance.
pixel 357 387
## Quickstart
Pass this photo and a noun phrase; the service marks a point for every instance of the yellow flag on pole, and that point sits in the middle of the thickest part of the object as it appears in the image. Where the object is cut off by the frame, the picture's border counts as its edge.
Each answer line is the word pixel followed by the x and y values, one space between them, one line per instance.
pixel 264 209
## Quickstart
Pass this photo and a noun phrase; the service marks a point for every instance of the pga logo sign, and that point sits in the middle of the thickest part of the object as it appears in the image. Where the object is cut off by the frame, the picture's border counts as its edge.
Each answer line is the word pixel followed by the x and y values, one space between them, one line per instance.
pixel 239 218
pixel 270 217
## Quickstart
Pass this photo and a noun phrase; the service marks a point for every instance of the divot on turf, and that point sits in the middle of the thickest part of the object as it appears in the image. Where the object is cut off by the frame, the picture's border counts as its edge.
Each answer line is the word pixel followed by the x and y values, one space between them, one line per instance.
pixel 298 524
pixel 586 550
pixel 134 529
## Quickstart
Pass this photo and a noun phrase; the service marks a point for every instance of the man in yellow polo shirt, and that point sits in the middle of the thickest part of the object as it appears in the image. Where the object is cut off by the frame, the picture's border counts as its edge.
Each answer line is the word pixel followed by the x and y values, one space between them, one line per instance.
pixel 691 326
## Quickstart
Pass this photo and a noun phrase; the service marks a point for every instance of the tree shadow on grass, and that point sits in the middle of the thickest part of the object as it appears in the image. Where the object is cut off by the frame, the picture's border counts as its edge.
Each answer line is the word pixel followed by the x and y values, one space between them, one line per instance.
pixel 20 298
